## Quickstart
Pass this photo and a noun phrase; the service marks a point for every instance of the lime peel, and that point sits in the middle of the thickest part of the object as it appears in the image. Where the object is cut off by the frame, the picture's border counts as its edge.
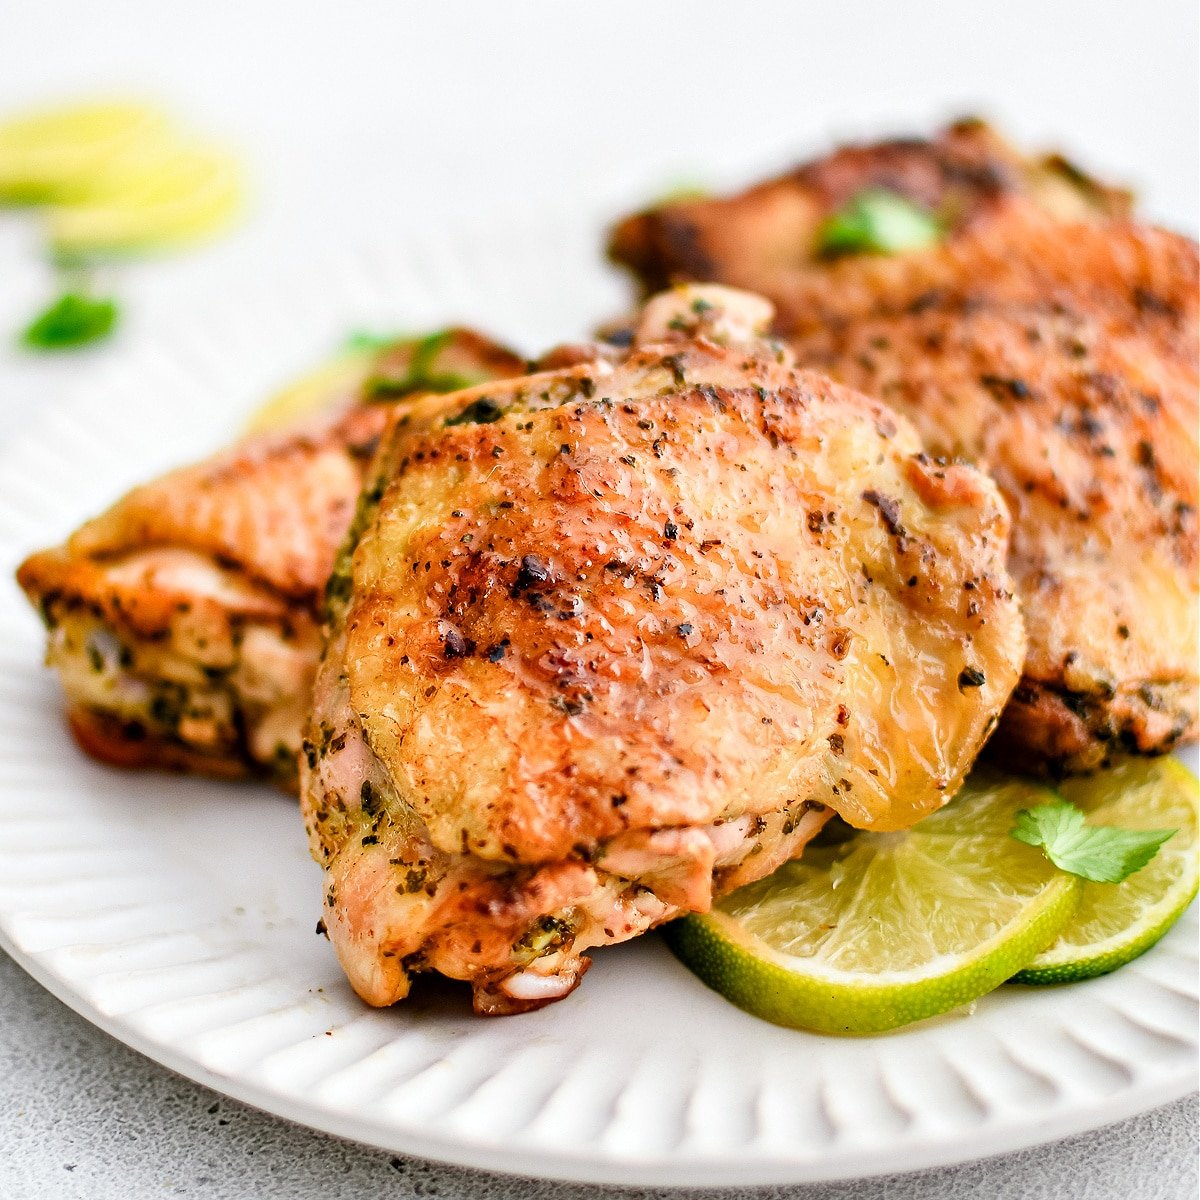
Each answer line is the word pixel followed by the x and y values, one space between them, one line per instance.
pixel 954 901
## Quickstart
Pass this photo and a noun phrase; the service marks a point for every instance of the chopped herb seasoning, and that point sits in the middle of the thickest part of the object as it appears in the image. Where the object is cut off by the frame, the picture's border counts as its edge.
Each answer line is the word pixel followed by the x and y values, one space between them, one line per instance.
pixel 454 645
pixel 533 570
pixel 544 934
pixel 971 677
pixel 483 411
pixel 370 799
pixel 1002 387
pixel 674 363
pixel 889 510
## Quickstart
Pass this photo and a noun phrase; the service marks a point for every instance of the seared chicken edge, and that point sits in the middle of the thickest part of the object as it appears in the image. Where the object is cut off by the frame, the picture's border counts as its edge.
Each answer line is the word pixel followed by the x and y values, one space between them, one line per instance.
pixel 184 622
pixel 1048 337
pixel 549 717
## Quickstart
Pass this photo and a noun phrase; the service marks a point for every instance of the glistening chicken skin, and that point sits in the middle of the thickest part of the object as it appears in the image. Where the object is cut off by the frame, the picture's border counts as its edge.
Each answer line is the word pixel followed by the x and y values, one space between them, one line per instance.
pixel 184 622
pixel 1050 339
pixel 609 640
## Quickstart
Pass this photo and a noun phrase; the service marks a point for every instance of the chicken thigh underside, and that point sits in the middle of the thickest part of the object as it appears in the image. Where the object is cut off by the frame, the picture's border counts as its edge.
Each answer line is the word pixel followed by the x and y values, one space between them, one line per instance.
pixel 184 622
pixel 617 637
pixel 1048 339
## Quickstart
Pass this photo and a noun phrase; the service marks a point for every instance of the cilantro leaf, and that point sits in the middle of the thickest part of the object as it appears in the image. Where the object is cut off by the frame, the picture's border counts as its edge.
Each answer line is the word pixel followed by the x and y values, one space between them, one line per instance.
pixel 420 374
pixel 1101 853
pixel 363 339
pixel 680 191
pixel 387 387
pixel 876 221
pixel 74 319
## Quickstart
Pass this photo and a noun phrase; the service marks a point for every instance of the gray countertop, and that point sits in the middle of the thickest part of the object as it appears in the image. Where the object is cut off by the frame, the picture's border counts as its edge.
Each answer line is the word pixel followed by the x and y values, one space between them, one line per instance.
pixel 86 1117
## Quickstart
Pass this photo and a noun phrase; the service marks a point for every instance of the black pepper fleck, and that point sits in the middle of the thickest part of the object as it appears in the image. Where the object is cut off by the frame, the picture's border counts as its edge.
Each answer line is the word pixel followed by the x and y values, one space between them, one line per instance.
pixel 970 677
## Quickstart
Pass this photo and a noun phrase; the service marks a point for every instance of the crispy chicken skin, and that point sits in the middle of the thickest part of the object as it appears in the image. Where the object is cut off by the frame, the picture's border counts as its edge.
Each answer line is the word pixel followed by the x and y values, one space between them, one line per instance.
pixel 1048 338
pixel 611 639
pixel 185 621
pixel 969 175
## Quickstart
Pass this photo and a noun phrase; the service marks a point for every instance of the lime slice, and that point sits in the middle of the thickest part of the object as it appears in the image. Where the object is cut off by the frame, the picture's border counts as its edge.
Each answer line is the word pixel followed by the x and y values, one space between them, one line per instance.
pixel 887 928
pixel 53 155
pixel 1115 922
pixel 319 391
pixel 165 193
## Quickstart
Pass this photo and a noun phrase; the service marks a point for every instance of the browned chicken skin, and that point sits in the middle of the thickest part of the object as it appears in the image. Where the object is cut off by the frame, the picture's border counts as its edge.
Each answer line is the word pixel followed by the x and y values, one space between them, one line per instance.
pixel 968 175
pixel 619 636
pixel 1049 339
pixel 185 621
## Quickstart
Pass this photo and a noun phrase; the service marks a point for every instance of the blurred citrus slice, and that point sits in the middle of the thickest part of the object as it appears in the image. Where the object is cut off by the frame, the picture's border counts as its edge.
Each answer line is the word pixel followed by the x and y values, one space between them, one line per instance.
pixel 1115 922
pixel 320 390
pixel 53 155
pixel 384 368
pixel 167 192
pixel 887 928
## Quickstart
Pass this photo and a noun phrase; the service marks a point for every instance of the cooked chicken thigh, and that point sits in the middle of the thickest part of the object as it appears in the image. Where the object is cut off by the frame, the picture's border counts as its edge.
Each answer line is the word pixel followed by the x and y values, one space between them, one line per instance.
pixel 613 638
pixel 1049 339
pixel 967 175
pixel 185 621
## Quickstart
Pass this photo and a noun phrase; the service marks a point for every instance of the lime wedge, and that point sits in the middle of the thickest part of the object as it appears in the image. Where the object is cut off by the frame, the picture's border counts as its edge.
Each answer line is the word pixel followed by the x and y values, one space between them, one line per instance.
pixel 1115 922
pixel 887 928
pixel 321 390
pixel 53 155
pixel 167 192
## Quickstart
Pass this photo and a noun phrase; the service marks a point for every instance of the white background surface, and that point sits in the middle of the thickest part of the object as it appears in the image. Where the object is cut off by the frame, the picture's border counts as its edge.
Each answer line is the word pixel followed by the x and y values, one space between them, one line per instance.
pixel 361 118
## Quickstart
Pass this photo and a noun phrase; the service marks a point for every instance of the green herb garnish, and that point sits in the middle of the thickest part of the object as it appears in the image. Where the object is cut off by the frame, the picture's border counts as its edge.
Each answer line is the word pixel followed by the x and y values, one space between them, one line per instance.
pixel 484 411
pixel 420 375
pixel 74 319
pixel 362 339
pixel 1101 853
pixel 876 221
pixel 384 387
pixel 683 191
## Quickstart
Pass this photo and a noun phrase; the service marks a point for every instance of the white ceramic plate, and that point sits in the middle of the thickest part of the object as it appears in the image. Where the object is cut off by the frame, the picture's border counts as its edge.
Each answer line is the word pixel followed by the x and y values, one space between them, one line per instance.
pixel 179 915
